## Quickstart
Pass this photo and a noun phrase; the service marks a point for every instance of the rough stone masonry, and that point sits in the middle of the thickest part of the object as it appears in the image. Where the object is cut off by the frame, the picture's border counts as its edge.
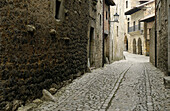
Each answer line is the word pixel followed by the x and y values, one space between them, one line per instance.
pixel 37 50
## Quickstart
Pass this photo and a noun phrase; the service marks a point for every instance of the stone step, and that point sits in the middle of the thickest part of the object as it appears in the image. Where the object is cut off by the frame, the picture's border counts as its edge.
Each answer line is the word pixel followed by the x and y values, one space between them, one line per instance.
pixel 167 82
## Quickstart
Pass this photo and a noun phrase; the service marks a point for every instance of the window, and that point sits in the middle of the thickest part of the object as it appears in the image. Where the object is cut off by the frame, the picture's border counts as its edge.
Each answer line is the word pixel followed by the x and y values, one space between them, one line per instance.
pixel 139 25
pixel 106 15
pixel 159 19
pixel 100 19
pixel 128 26
pixel 126 4
pixel 149 33
pixel 117 30
pixel 57 9
pixel 134 26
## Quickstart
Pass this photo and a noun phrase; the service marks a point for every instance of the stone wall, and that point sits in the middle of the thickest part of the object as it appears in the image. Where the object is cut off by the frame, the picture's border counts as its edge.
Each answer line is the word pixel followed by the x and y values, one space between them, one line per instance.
pixel 99 35
pixel 162 38
pixel 32 58
pixel 117 31
pixel 94 49
pixel 152 45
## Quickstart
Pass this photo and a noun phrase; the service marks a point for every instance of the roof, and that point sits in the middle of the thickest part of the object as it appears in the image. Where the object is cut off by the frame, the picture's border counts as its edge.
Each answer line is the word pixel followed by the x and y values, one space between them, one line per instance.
pixel 132 10
pixel 137 8
pixel 148 18
pixel 110 2
pixel 143 0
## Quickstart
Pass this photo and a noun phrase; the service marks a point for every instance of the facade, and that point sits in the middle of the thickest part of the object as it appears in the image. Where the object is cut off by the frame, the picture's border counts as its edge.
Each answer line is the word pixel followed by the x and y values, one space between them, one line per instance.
pixel 41 43
pixel 99 33
pixel 107 42
pixel 160 37
pixel 95 34
pixel 118 30
pixel 149 17
pixel 138 35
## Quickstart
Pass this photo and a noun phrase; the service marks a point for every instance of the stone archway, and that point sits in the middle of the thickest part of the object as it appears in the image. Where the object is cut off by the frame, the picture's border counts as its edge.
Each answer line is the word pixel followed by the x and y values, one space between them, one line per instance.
pixel 126 43
pixel 139 46
pixel 134 46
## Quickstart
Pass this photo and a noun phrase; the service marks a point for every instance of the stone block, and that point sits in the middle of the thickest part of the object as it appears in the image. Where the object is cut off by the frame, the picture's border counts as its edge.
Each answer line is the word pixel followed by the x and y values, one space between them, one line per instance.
pixel 52 90
pixel 48 96
pixel 30 28
pixel 167 82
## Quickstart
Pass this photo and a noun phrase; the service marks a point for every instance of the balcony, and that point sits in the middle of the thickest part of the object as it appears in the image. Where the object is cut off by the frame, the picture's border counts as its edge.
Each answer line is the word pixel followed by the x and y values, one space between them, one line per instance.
pixel 134 28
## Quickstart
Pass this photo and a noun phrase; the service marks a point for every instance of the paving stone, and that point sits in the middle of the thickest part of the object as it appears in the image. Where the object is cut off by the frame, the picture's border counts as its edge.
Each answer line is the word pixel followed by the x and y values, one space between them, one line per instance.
pixel 140 84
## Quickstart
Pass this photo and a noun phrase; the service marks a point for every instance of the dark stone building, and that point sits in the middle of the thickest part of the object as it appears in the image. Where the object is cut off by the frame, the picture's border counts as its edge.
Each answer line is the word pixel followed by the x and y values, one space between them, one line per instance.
pixel 41 42
pixel 160 37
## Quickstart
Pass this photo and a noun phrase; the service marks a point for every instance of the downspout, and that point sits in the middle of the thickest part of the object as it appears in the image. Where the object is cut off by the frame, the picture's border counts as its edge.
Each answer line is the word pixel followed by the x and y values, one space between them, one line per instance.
pixel 109 38
pixel 103 35
pixel 168 15
pixel 155 33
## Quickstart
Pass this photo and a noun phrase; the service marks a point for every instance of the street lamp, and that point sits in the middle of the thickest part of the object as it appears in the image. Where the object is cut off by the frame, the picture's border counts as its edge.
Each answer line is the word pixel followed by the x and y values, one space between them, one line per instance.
pixel 116 17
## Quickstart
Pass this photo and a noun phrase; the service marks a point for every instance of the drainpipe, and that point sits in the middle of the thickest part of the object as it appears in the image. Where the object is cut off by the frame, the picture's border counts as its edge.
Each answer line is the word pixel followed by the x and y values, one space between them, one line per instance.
pixel 110 52
pixel 103 34
pixel 168 16
pixel 155 33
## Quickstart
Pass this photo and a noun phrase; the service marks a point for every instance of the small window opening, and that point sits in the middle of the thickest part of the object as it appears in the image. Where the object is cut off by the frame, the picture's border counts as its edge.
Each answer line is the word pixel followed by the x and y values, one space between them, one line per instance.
pixel 57 10
pixel 126 4
pixel 128 26
pixel 134 26
pixel 139 25
pixel 106 15
pixel 100 20
pixel 117 30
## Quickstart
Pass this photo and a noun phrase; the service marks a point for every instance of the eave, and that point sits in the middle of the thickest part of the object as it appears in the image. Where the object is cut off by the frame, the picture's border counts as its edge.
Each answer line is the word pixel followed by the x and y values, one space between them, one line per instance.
pixel 137 8
pixel 131 11
pixel 149 18
pixel 110 2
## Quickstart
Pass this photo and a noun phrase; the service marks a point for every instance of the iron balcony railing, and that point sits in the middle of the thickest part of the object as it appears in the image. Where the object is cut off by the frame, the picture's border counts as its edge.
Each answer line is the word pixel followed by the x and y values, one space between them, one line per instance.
pixel 134 28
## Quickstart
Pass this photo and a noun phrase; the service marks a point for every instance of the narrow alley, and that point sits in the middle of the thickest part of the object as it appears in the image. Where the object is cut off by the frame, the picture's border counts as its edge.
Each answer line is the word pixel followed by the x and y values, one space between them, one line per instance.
pixel 127 85
pixel 84 55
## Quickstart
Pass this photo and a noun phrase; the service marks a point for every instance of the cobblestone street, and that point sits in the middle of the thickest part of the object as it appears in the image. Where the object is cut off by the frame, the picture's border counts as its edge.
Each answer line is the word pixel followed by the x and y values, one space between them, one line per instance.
pixel 127 85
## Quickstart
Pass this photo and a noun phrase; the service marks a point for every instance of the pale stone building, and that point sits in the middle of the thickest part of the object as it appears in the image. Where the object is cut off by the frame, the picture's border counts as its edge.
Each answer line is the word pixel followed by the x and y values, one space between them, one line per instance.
pixel 137 36
pixel 149 16
pixel 117 30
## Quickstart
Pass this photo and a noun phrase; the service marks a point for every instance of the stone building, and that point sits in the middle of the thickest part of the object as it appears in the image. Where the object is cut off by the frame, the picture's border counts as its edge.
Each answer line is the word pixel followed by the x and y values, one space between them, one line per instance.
pixel 118 30
pixel 41 43
pixel 95 34
pixel 149 17
pixel 137 39
pixel 160 37
pixel 98 48
pixel 107 42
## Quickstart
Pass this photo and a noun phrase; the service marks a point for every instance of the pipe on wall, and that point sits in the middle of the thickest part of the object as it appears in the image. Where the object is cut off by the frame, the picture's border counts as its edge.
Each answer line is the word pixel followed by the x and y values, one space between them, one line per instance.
pixel 155 33
pixel 103 36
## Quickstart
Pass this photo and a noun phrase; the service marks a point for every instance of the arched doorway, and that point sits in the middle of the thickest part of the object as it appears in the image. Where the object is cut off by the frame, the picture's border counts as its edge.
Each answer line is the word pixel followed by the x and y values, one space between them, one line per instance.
pixel 139 46
pixel 126 43
pixel 134 46
pixel 91 47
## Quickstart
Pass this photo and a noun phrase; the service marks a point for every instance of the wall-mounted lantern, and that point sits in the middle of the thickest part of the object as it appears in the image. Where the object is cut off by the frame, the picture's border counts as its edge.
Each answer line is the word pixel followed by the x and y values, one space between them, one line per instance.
pixel 116 17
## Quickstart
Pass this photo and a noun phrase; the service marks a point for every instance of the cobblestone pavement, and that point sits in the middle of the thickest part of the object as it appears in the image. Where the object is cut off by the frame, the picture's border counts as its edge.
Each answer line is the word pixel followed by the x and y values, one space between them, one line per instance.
pixel 142 88
pixel 127 85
